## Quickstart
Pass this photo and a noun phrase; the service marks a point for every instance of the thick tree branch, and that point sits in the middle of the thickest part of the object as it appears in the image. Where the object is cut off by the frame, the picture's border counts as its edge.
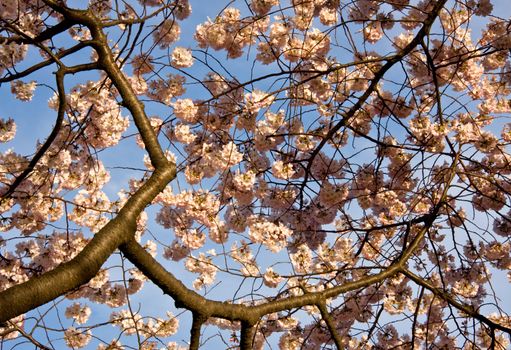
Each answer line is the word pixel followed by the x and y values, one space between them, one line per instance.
pixel 183 297
pixel 247 336
pixel 187 298
pixel 130 101
pixel 87 263
pixel 70 275
pixel 197 322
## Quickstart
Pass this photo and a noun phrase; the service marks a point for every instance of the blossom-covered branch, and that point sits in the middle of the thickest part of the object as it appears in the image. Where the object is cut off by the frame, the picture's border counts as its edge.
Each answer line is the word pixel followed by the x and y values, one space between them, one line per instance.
pixel 255 174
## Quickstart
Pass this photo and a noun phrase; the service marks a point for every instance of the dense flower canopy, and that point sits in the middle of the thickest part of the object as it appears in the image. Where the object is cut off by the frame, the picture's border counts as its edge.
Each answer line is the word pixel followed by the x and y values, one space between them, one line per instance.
pixel 304 174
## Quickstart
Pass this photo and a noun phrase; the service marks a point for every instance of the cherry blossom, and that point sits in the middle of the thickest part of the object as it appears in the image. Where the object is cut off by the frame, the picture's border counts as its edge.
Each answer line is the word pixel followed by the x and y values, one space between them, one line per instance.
pixel 296 175
pixel 23 91
pixel 7 129
pixel 181 58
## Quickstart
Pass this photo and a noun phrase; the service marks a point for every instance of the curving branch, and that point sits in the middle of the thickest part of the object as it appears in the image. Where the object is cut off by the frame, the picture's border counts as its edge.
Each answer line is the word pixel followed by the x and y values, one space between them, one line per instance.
pixel 189 299
pixel 49 33
pixel 79 270
pixel 465 308
pixel 56 129
pixel 250 315
pixel 59 76
pixel 59 55
pixel 183 297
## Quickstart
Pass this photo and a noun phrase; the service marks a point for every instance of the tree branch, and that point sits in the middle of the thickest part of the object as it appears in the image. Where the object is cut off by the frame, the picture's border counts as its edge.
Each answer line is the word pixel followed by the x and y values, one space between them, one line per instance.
pixel 198 321
pixel 43 64
pixel 329 323
pixel 183 297
pixel 187 298
pixel 55 131
pixel 107 62
pixel 44 35
pixel 39 290
pixel 247 336
pixel 46 145
pixel 29 337
pixel 444 295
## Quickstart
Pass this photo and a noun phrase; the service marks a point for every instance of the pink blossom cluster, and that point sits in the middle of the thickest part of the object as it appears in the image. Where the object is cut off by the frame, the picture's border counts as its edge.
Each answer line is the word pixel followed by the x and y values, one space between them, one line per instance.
pixel 273 235
pixel 23 91
pixel 204 267
pixel 133 323
pixel 230 32
pixel 97 105
pixel 7 129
